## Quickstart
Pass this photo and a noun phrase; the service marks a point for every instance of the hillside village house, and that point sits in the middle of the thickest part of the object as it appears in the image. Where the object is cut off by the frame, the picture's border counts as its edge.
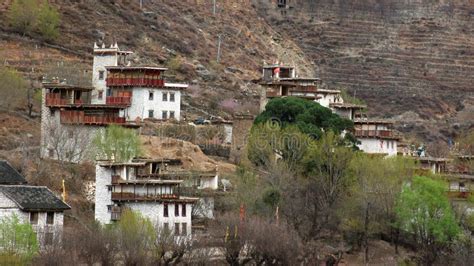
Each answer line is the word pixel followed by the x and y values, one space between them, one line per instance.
pixel 154 188
pixel 142 89
pixel 279 80
pixel 121 95
pixel 36 205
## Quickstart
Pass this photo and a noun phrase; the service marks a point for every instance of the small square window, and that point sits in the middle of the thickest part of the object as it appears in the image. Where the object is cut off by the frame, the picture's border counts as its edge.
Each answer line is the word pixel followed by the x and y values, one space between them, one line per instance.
pixel 184 229
pixel 101 75
pixel 164 115
pixel 101 95
pixel 166 227
pixel 176 229
pixel 165 210
pixel 150 96
pixel 33 217
pixel 150 113
pixel 50 153
pixel 176 210
pixel 183 210
pixel 50 218
pixel 171 114
pixel 165 97
pixel 171 97
pixel 70 133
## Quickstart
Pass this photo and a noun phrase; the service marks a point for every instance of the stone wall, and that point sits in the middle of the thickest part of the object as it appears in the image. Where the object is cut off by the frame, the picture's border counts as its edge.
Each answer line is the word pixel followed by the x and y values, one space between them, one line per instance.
pixel 240 133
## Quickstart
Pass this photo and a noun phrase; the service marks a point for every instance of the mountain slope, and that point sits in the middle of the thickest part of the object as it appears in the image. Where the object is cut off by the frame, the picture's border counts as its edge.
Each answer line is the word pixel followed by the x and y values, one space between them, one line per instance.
pixel 398 56
pixel 182 35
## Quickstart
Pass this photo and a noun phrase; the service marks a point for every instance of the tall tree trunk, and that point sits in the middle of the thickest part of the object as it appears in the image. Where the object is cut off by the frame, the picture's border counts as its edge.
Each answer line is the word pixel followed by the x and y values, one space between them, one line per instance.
pixel 366 233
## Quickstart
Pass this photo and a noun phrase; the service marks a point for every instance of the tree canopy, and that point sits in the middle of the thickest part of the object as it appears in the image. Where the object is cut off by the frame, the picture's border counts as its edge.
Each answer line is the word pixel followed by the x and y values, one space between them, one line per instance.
pixel 310 117
pixel 423 210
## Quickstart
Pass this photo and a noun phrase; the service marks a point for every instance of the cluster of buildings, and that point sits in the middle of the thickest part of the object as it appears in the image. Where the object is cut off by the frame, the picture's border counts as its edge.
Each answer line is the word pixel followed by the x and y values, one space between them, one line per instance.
pixel 376 136
pixel 159 188
pixel 125 95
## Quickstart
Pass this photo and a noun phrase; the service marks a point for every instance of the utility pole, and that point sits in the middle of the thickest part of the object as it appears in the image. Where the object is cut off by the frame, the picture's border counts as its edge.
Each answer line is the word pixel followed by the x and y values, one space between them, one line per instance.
pixel 141 4
pixel 214 8
pixel 219 48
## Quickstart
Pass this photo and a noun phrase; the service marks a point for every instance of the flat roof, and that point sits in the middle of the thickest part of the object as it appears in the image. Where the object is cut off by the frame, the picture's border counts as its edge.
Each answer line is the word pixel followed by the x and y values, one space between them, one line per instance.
pixel 176 85
pixel 150 181
pixel 329 91
pixel 111 50
pixel 372 121
pixel 300 79
pixel 432 159
pixel 110 164
pixel 347 106
pixel 136 68
pixel 278 65
pixel 53 85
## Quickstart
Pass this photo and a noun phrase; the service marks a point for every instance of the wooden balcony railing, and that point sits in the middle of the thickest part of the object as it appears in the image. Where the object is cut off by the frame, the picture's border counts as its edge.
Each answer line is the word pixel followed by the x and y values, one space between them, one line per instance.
pixel 459 194
pixel 53 99
pixel 144 82
pixel 114 100
pixel 373 133
pixel 115 179
pixel 312 89
pixel 124 196
pixel 78 117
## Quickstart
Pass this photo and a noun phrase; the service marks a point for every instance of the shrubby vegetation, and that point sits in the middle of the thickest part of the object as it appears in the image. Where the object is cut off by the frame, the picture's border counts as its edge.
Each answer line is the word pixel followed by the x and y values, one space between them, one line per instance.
pixel 320 184
pixel 28 16
pixel 13 88
pixel 17 241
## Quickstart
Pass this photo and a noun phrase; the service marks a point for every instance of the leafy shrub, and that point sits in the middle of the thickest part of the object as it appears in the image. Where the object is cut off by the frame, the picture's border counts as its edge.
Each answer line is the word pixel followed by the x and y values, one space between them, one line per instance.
pixel 17 241
pixel 27 16
pixel 48 22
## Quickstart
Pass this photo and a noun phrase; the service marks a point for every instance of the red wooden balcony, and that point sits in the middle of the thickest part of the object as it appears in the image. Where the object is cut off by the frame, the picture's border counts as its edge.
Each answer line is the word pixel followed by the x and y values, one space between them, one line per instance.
pixel 78 117
pixel 135 82
pixel 115 179
pixel 114 100
pixel 459 194
pixel 312 89
pixel 373 133
pixel 54 99
pixel 125 196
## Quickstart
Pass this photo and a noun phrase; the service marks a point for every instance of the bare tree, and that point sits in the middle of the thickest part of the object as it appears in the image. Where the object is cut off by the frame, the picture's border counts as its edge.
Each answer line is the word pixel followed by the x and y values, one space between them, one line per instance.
pixel 68 144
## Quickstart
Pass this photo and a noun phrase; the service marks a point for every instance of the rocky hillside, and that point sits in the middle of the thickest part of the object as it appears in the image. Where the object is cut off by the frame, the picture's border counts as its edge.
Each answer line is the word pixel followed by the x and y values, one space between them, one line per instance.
pixel 414 59
pixel 182 35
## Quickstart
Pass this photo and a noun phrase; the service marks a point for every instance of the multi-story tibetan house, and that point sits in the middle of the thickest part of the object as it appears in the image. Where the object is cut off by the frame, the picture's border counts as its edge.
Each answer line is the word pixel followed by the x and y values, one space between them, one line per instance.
pixel 281 81
pixel 120 95
pixel 376 136
pixel 147 187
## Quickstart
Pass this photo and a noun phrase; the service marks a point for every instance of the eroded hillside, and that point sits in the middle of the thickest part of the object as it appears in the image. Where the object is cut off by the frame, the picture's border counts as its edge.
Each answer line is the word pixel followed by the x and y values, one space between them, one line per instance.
pixel 182 35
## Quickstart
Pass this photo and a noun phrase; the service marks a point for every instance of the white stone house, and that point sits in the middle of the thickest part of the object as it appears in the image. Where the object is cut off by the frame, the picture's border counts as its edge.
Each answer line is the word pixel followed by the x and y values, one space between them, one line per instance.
pixel 141 88
pixel 281 81
pixel 376 136
pixel 119 186
pixel 36 205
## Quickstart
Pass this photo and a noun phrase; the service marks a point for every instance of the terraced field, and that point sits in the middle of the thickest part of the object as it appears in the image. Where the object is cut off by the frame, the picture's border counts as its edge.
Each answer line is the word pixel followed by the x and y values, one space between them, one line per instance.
pixel 412 56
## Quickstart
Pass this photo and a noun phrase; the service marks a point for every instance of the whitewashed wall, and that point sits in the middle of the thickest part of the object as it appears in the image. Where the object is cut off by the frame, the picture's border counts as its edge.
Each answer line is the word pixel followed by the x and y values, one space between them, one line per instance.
pixel 103 197
pixel 141 104
pixel 373 145
pixel 99 64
